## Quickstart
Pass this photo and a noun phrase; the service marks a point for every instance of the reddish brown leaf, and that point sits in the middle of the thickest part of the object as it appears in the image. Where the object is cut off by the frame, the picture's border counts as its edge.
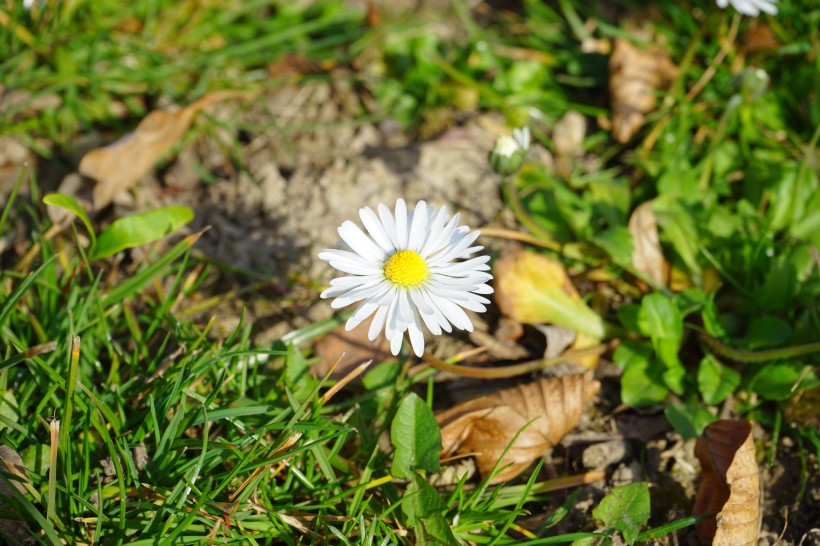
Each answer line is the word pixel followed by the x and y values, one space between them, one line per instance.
pixel 730 484
pixel 529 418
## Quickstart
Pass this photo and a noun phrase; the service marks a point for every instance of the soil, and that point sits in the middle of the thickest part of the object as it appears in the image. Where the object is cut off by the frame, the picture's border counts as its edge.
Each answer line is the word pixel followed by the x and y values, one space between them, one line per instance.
pixel 276 198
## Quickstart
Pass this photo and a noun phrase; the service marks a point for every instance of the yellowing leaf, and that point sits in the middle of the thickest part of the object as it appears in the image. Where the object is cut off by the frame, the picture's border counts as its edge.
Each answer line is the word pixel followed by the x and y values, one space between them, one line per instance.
pixel 529 418
pixel 534 289
pixel 730 485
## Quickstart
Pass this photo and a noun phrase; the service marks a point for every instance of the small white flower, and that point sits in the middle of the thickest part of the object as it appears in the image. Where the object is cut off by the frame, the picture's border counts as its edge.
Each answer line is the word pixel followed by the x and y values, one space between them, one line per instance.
pixel 407 270
pixel 522 137
pixel 508 153
pixel 750 7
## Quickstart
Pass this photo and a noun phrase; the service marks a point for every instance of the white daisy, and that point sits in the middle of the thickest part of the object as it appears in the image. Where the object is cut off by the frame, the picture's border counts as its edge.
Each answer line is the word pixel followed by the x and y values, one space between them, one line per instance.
pixel 408 270
pixel 750 7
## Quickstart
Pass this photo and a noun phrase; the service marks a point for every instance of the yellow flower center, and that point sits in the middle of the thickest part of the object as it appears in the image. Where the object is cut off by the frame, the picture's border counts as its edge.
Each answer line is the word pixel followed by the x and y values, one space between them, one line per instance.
pixel 405 268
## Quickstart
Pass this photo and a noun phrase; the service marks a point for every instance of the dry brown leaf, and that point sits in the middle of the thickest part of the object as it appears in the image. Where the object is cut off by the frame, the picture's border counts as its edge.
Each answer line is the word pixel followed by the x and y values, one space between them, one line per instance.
pixel 119 165
pixel 647 256
pixel 730 484
pixel 635 75
pixel 533 417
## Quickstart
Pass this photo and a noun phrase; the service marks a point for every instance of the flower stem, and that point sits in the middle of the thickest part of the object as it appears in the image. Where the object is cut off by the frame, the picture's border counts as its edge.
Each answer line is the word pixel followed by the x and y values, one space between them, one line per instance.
pixel 757 356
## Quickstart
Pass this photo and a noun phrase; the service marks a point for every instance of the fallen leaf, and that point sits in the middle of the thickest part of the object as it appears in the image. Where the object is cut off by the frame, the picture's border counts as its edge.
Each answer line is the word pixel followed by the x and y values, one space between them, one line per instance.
pixel 529 418
pixel 119 165
pixel 730 484
pixel 635 75
pixel 647 256
pixel 534 289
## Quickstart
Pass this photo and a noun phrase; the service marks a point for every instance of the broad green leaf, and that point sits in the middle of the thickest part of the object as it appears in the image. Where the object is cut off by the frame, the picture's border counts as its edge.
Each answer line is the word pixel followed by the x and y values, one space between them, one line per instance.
pixel 617 242
pixel 69 203
pixel 421 501
pixel 688 420
pixel 626 509
pixel 642 383
pixel 660 319
pixel 434 531
pixel 767 331
pixel 716 381
pixel 416 437
pixel 628 317
pixel 782 380
pixel 140 229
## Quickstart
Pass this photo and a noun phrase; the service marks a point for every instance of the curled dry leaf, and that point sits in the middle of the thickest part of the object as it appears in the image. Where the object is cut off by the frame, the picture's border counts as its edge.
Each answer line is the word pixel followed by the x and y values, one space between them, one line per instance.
pixel 635 75
pixel 647 256
pixel 528 418
pixel 119 165
pixel 730 484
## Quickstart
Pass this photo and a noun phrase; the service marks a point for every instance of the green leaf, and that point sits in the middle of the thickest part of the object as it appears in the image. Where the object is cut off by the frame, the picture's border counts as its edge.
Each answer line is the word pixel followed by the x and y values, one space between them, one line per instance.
pixel 688 420
pixel 421 501
pixel 716 381
pixel 416 437
pixel 782 380
pixel 626 509
pixel 628 317
pixel 140 229
pixel 642 383
pixel 69 203
pixel 767 331
pixel 617 242
pixel 660 319
pixel 678 226
pixel 435 531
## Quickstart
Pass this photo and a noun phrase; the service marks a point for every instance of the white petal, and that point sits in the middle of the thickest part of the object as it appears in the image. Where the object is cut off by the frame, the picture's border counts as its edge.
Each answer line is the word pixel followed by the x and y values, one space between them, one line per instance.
pixel 375 229
pixel 454 314
pixel 357 294
pixel 401 223
pixel 418 227
pixel 389 225
pixel 438 241
pixel 454 251
pixel 416 336
pixel 395 344
pixel 349 262
pixel 362 312
pixel 378 323
pixel 437 315
pixel 360 243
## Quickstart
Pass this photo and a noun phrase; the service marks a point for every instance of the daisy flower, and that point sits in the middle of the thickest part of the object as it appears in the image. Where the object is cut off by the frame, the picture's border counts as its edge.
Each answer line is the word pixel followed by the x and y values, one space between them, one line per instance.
pixel 409 269
pixel 750 7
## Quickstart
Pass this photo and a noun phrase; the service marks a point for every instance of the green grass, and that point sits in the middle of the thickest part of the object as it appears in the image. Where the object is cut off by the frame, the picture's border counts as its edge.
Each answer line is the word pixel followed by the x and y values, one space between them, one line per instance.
pixel 170 435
